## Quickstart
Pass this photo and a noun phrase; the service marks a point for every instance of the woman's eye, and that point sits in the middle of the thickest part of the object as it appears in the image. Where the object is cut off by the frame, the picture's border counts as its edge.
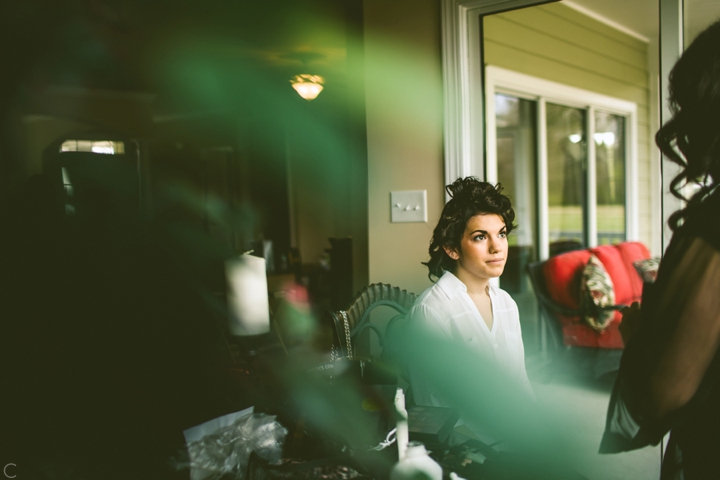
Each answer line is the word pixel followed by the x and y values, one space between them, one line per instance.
pixel 503 234
pixel 479 237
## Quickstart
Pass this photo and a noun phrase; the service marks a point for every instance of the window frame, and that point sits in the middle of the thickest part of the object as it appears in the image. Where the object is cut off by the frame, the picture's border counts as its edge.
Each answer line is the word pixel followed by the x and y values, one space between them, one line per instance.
pixel 500 80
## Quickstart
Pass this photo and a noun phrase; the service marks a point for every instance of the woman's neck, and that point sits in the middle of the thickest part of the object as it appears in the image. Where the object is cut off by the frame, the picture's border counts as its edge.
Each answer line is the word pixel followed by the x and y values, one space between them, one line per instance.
pixel 475 285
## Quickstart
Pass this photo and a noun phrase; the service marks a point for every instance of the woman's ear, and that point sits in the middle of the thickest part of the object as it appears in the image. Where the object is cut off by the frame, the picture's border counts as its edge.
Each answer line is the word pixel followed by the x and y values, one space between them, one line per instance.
pixel 452 253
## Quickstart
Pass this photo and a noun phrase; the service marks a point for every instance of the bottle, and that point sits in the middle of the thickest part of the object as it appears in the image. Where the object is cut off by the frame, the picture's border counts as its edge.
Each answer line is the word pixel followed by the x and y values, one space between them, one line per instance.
pixel 402 434
pixel 416 464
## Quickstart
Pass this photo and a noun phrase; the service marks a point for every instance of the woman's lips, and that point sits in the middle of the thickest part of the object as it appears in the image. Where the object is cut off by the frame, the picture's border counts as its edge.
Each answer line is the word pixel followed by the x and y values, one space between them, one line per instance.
pixel 497 260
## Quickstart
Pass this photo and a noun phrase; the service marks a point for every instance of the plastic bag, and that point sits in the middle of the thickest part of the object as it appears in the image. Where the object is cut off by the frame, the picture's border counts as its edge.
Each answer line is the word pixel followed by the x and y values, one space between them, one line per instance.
pixel 224 453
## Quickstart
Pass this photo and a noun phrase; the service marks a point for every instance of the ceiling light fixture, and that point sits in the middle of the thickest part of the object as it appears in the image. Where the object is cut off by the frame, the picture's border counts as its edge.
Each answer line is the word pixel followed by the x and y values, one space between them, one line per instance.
pixel 308 86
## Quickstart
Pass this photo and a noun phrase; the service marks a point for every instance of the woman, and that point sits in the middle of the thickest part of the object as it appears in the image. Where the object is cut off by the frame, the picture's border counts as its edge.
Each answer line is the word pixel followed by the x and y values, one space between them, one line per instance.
pixel 670 369
pixel 468 248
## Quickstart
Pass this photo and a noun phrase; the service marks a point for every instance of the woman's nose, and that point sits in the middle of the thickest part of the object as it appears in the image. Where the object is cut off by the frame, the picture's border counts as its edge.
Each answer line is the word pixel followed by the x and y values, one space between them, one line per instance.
pixel 493 244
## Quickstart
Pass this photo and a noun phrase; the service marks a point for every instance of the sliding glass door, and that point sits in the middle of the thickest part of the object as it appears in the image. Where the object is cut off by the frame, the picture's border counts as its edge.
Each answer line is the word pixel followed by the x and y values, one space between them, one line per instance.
pixel 516 127
pixel 517 160
pixel 585 182
pixel 564 166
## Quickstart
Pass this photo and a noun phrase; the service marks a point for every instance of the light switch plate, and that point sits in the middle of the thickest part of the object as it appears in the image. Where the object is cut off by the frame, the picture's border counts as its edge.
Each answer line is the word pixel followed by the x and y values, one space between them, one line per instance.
pixel 408 206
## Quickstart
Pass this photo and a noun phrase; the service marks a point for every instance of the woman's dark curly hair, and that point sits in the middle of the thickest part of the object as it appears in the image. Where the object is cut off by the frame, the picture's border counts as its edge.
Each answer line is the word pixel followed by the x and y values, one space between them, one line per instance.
pixel 470 197
pixel 691 138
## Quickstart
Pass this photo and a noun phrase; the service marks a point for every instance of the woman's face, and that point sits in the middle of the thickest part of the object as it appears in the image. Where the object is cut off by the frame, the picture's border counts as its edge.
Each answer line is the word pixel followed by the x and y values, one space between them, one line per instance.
pixel 483 247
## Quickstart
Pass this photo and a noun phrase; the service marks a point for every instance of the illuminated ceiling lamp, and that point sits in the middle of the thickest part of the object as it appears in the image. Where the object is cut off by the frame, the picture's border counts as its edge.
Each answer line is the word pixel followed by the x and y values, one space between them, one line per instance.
pixel 308 86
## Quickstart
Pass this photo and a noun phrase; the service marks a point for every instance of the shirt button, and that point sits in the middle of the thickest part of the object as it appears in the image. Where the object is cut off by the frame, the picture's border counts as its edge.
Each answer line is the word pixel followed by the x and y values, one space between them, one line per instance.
pixel 495 345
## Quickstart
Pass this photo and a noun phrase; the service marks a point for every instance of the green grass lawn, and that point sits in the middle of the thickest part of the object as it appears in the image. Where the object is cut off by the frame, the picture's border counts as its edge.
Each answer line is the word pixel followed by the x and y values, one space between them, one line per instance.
pixel 610 218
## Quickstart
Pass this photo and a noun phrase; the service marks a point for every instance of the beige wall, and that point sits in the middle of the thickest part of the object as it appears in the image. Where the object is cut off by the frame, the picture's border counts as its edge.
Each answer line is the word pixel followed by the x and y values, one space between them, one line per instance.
pixel 403 88
pixel 560 44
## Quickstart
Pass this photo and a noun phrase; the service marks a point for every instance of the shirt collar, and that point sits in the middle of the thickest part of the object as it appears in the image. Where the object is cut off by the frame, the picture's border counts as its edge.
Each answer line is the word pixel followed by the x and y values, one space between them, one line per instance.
pixel 451 285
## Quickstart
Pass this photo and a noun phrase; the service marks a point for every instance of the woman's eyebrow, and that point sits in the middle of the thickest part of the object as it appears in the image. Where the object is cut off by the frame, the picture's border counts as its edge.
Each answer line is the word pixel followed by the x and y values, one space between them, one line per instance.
pixel 484 232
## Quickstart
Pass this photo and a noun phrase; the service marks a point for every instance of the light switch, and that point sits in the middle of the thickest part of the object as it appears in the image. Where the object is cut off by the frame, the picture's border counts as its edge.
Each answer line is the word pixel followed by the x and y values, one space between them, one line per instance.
pixel 408 206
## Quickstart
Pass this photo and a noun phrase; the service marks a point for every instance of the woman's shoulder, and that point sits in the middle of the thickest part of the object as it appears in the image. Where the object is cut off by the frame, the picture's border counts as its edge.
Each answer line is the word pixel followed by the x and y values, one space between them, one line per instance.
pixel 439 293
pixel 704 222
pixel 431 295
pixel 701 222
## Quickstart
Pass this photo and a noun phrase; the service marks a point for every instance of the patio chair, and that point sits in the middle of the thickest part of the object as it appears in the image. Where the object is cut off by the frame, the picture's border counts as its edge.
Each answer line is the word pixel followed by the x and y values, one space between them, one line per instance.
pixel 356 319
pixel 557 282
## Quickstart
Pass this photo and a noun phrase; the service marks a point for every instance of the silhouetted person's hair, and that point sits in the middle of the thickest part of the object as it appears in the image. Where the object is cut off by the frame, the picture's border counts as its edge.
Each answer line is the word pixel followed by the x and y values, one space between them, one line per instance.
pixel 694 129
pixel 470 197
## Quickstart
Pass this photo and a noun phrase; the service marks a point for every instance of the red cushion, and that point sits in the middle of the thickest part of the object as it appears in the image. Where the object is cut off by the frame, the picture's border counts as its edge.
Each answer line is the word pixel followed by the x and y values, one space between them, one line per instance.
pixel 578 334
pixel 562 277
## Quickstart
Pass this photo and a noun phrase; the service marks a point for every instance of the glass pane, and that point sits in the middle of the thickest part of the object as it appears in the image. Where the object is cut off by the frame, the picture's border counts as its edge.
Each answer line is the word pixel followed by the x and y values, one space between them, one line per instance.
pixel 515 120
pixel 610 177
pixel 507 111
pixel 567 153
pixel 516 158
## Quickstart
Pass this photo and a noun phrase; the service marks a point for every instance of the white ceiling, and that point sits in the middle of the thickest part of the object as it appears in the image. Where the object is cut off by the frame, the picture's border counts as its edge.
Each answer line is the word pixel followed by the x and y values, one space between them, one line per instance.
pixel 642 17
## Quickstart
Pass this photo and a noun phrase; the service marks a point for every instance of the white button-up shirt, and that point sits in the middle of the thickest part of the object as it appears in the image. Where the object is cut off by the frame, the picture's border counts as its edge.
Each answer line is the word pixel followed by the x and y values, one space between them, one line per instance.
pixel 447 307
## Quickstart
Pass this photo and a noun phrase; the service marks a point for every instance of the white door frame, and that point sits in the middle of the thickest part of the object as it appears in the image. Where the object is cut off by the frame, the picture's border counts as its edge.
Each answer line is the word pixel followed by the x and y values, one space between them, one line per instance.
pixel 671 47
pixel 462 58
